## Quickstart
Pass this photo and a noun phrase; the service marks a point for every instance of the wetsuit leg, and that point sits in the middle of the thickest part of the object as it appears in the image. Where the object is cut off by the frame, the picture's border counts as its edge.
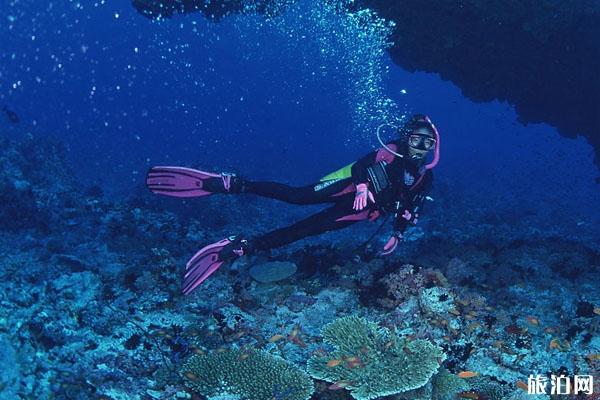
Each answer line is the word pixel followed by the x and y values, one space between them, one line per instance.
pixel 336 217
pixel 321 192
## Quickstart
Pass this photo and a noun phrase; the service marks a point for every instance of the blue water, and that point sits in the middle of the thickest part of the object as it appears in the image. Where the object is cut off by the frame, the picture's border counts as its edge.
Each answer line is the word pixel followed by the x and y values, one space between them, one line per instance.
pixel 285 98
pixel 245 94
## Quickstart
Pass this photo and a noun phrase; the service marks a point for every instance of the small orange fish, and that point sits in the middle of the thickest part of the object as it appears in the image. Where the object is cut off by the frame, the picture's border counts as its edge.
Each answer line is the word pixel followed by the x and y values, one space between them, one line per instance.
pixel 297 340
pixel 593 357
pixel 353 362
pixel 472 326
pixel 294 332
pixel 522 385
pixel 340 385
pixel 191 376
pixel 276 338
pixel 513 329
pixel 334 363
pixel 469 395
pixel 597 310
pixel 467 374
pixel 243 356
pixel 555 344
pixel 198 351
pixel 533 320
pixel 454 311
pixel 317 352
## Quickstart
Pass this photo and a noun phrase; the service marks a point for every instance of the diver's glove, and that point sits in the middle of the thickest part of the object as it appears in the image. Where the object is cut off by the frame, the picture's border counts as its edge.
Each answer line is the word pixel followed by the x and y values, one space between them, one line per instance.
pixel 412 217
pixel 362 194
pixel 391 244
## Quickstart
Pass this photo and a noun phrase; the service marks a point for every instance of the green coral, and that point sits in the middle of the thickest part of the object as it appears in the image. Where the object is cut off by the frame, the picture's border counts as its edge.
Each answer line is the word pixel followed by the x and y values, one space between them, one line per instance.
pixel 442 386
pixel 422 393
pixel 387 364
pixel 447 385
pixel 249 374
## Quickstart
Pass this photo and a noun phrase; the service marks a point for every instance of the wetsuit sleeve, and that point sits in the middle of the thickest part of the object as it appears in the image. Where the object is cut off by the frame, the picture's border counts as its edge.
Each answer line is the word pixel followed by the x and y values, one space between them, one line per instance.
pixel 359 168
pixel 406 213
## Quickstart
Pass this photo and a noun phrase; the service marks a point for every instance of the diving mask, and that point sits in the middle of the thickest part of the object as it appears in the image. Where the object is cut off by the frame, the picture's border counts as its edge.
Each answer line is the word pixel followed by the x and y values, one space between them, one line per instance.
pixel 421 142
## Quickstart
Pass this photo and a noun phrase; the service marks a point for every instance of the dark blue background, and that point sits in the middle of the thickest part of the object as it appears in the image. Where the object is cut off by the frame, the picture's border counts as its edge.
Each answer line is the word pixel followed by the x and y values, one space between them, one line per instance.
pixel 125 93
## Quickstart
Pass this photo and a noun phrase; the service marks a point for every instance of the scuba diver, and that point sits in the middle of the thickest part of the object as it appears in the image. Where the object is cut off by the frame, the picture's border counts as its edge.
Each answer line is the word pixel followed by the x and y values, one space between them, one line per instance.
pixel 392 180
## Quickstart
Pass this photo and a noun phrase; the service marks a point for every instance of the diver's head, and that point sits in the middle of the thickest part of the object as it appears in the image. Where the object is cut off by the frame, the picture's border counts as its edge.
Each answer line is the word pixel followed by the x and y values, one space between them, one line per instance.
pixel 421 138
pixel 420 143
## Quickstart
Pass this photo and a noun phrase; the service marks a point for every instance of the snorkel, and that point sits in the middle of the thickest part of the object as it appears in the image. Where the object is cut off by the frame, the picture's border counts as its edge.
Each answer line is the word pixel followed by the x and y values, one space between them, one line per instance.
pixel 436 152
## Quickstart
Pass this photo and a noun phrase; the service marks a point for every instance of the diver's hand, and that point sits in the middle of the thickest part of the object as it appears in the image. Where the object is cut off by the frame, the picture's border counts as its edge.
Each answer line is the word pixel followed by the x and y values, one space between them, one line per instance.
pixel 410 217
pixel 391 244
pixel 362 194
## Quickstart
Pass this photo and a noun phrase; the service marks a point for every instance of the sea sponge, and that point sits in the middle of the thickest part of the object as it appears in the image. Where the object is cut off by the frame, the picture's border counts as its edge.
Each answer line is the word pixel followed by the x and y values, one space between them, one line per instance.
pixel 249 374
pixel 372 361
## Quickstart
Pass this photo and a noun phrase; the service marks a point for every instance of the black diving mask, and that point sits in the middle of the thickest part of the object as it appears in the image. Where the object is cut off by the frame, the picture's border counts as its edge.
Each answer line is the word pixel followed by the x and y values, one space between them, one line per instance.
pixel 421 142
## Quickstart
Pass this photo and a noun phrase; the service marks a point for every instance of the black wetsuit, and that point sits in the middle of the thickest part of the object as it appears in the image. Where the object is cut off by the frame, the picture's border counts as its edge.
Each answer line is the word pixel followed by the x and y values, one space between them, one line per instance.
pixel 395 183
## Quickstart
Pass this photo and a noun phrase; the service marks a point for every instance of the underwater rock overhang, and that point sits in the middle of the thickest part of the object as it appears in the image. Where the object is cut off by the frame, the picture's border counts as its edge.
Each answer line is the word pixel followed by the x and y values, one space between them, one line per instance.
pixel 542 56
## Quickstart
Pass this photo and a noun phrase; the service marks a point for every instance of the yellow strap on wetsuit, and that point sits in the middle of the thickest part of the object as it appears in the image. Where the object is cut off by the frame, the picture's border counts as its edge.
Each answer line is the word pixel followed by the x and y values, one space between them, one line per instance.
pixel 342 173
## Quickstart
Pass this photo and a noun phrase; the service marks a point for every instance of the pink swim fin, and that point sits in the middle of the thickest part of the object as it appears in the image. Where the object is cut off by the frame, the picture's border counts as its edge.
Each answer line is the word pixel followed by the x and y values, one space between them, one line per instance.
pixel 184 182
pixel 208 259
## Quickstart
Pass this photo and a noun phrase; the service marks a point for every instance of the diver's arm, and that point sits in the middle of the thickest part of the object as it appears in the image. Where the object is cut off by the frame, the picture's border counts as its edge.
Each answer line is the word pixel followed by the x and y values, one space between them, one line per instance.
pixel 359 168
pixel 361 182
pixel 408 214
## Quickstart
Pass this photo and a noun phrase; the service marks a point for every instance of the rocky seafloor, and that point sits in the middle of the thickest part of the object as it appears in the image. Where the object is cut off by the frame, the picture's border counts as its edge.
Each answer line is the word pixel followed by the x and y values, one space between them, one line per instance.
pixel 91 306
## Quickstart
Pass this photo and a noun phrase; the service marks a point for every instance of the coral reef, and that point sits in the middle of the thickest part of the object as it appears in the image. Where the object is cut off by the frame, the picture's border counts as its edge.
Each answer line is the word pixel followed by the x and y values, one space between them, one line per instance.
pixel 249 374
pixel 373 361
pixel 37 189
pixel 446 385
pixel 91 304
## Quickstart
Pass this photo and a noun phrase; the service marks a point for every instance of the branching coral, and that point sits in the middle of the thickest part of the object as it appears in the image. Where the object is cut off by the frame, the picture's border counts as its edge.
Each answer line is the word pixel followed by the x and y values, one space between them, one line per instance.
pixel 372 361
pixel 249 374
